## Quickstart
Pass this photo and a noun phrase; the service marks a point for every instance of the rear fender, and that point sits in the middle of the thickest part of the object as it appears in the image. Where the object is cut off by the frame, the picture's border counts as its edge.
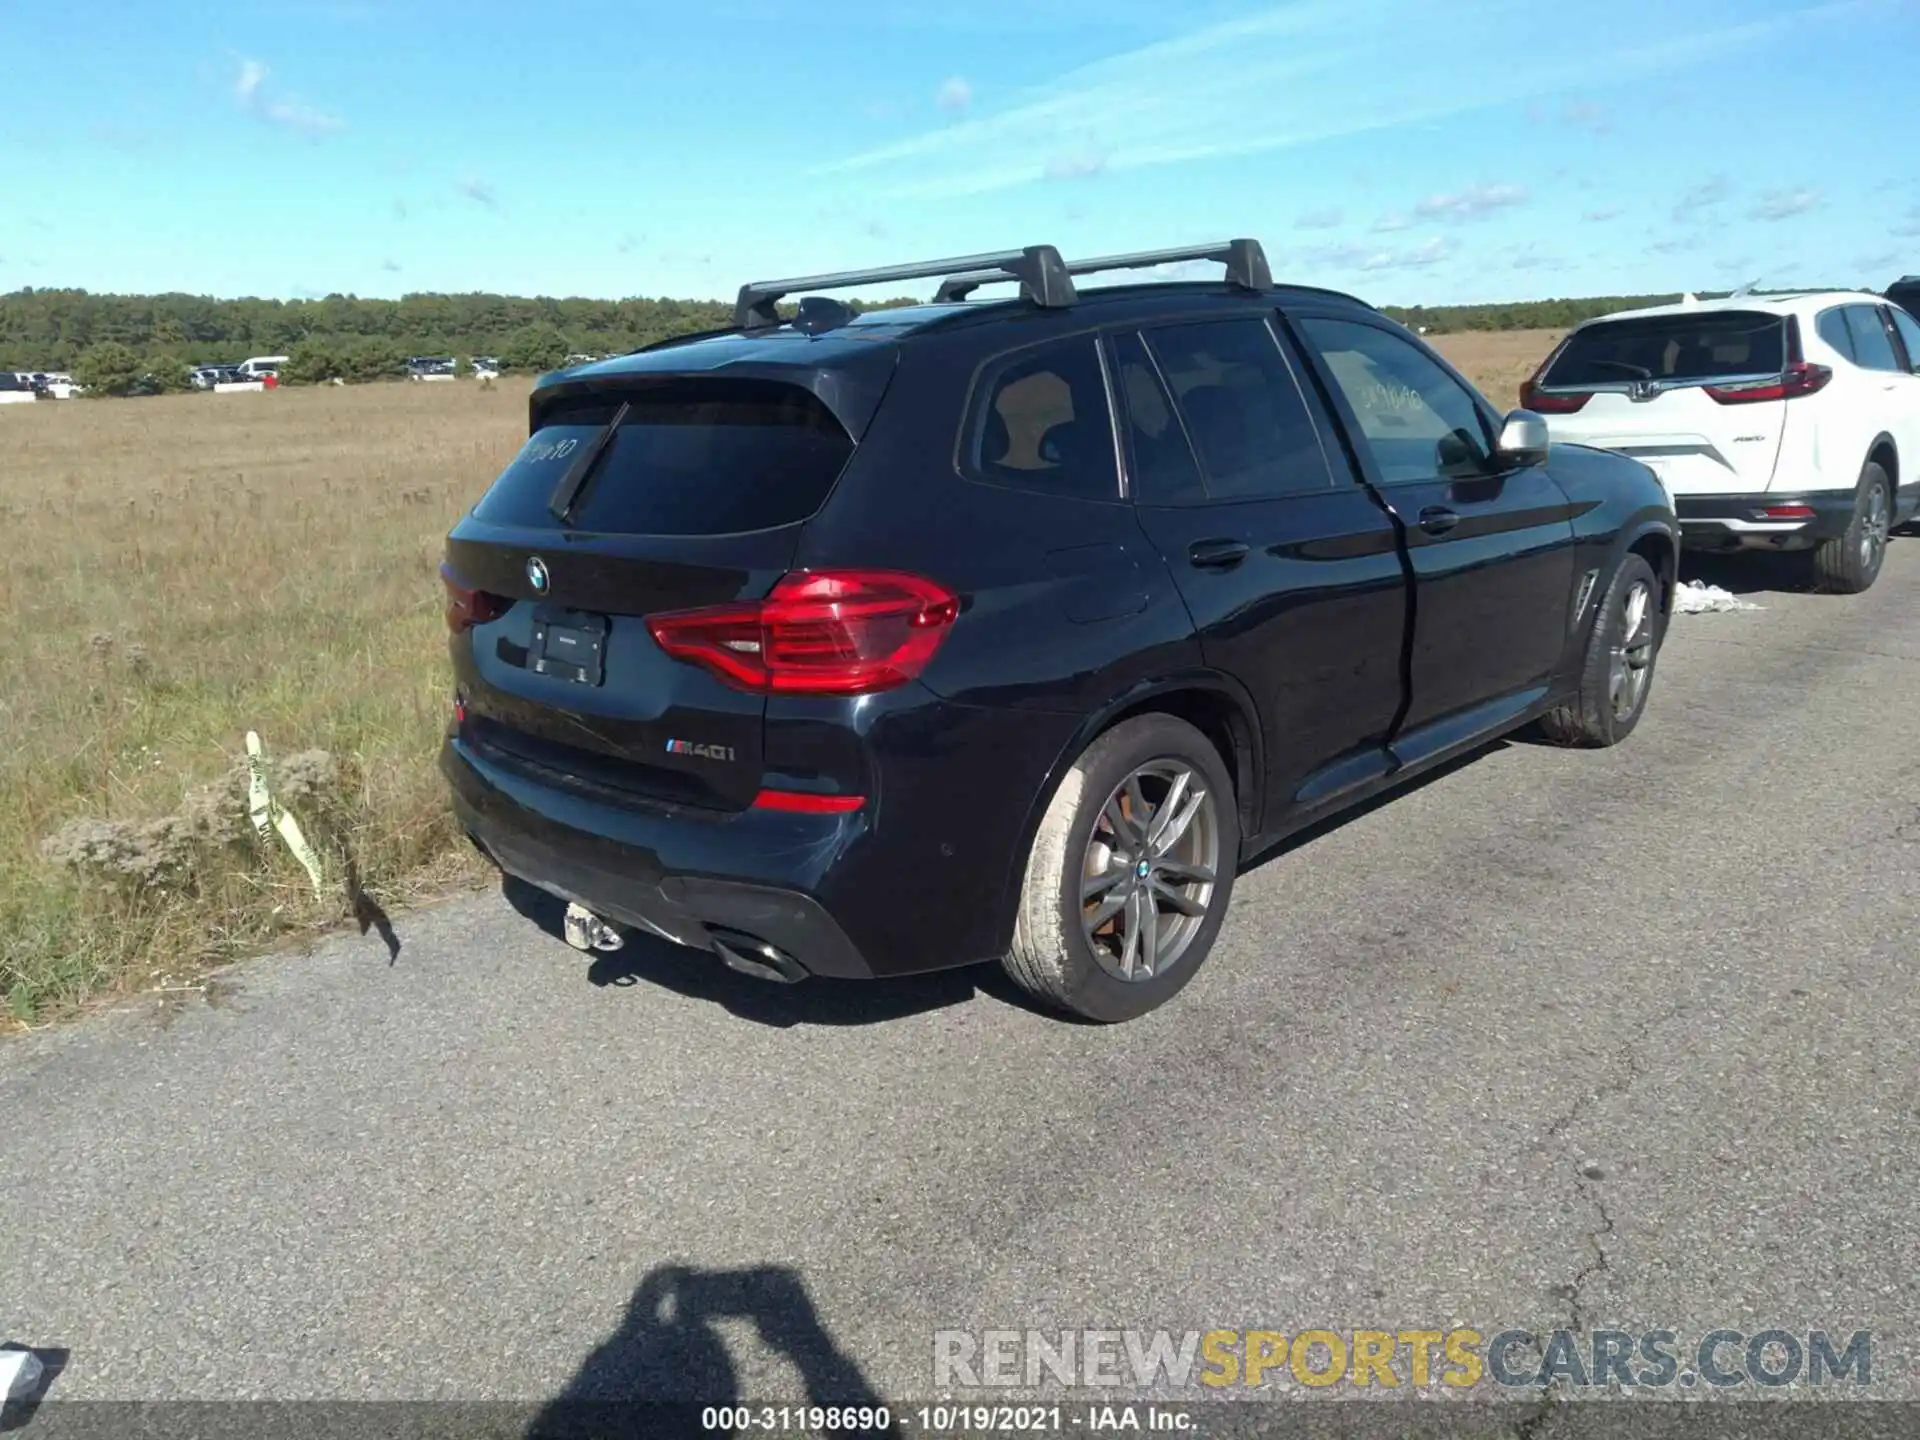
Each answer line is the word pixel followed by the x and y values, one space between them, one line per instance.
pixel 1248 760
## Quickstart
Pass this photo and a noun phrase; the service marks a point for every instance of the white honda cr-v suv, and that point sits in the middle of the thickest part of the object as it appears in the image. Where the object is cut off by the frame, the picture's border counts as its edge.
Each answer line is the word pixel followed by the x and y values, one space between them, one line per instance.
pixel 1778 422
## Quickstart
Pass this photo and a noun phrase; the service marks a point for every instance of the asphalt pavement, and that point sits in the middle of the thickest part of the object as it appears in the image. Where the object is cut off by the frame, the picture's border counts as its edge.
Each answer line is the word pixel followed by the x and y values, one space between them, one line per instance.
pixel 1556 1039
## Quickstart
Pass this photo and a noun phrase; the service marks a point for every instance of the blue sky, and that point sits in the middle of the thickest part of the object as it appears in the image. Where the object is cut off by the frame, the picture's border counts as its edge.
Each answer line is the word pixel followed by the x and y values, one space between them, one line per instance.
pixel 1435 151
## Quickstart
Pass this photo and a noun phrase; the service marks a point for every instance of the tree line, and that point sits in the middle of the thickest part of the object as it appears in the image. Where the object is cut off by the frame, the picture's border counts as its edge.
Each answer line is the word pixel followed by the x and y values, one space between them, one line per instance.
pixel 121 344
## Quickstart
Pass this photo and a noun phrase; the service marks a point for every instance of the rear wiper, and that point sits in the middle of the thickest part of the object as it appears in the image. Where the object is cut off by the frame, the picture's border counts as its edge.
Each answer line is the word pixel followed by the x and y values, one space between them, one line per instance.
pixel 566 495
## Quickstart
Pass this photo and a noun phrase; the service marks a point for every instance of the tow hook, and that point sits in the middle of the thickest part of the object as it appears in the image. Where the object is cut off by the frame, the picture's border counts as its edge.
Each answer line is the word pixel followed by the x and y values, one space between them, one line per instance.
pixel 587 931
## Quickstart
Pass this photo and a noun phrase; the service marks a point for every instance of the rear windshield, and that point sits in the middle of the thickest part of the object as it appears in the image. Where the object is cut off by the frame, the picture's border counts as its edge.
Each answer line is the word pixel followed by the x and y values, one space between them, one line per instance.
pixel 1672 347
pixel 692 458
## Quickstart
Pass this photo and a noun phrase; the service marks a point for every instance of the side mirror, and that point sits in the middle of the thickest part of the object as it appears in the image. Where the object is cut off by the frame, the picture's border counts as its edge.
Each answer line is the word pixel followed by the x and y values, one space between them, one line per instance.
pixel 1523 438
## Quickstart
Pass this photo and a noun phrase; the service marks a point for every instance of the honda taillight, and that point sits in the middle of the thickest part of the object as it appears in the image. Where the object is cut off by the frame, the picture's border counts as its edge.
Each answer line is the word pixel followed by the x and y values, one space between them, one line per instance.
pixel 468 607
pixel 1800 378
pixel 823 632
pixel 1541 402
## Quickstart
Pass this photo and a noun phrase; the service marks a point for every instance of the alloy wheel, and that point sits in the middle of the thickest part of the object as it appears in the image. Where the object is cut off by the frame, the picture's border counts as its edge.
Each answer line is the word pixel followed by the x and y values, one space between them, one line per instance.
pixel 1150 869
pixel 1632 666
pixel 1874 528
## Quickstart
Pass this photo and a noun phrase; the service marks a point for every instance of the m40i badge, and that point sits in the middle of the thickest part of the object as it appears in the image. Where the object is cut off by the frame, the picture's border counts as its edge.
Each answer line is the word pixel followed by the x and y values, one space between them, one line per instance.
pixel 703 752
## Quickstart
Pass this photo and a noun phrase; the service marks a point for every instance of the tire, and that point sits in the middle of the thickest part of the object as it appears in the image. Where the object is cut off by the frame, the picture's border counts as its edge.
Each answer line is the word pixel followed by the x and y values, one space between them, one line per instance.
pixel 1850 563
pixel 1596 718
pixel 1055 957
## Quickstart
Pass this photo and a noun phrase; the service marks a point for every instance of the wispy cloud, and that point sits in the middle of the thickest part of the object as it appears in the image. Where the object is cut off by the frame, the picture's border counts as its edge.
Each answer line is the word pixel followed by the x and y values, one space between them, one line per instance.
pixel 127 139
pixel 626 244
pixel 954 95
pixel 1289 76
pixel 1785 204
pixel 1075 167
pixel 252 94
pixel 1320 220
pixel 479 191
pixel 1605 212
pixel 1372 260
pixel 1672 246
pixel 1387 224
pixel 1910 226
pixel 399 209
pixel 1587 115
pixel 1472 203
pixel 392 267
pixel 1528 257
pixel 1704 196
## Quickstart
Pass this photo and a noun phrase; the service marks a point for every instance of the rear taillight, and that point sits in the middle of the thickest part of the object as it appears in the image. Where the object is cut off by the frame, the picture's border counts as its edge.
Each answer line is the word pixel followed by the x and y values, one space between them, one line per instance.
pixel 468 607
pixel 1800 378
pixel 823 632
pixel 1541 402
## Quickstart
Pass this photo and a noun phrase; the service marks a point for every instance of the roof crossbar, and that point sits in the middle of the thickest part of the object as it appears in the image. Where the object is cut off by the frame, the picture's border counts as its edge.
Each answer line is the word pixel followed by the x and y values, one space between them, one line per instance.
pixel 1041 272
pixel 1246 263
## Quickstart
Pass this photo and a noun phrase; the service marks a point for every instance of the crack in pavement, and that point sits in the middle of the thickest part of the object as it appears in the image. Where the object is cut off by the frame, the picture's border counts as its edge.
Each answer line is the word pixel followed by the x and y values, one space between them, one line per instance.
pixel 1630 1067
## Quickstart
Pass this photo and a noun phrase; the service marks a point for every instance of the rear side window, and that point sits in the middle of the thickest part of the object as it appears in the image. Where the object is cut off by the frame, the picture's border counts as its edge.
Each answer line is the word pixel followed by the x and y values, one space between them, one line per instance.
pixel 1043 423
pixel 10 381
pixel 1242 408
pixel 1872 346
pixel 1909 330
pixel 1713 346
pixel 1832 327
pixel 699 457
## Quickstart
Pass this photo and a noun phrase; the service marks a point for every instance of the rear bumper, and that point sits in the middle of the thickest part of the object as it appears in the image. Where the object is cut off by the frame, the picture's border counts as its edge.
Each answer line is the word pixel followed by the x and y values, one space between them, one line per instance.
pixel 1744 521
pixel 705 883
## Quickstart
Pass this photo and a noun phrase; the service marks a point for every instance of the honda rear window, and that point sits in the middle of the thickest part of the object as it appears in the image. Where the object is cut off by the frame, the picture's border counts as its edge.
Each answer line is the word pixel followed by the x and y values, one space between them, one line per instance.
pixel 1711 346
pixel 691 458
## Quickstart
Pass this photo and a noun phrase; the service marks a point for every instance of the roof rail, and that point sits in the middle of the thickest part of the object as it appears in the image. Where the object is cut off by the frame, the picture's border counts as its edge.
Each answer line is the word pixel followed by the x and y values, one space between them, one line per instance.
pixel 1039 269
pixel 1245 260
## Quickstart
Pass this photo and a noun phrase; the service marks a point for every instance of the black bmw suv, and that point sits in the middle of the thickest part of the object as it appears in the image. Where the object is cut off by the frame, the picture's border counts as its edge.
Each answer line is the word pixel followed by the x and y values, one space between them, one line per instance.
pixel 856 645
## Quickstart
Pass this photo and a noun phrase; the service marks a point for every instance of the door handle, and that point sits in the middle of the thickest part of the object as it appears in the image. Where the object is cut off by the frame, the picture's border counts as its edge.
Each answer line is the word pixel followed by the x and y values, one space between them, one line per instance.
pixel 1438 520
pixel 1216 554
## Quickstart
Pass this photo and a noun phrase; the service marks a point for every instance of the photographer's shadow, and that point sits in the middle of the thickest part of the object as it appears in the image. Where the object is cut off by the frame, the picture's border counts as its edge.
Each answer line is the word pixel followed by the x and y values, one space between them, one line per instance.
pixel 667 1368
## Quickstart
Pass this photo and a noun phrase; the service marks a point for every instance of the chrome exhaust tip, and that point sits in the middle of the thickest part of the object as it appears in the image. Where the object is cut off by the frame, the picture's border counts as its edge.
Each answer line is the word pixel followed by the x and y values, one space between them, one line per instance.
pixel 587 931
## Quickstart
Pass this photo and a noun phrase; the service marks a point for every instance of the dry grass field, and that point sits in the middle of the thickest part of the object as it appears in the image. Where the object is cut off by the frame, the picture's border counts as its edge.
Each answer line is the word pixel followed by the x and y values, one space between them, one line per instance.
pixel 178 571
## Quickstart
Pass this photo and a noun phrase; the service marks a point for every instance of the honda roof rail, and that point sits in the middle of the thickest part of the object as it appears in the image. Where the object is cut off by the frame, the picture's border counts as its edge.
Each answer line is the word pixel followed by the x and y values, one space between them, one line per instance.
pixel 1041 272
pixel 1246 263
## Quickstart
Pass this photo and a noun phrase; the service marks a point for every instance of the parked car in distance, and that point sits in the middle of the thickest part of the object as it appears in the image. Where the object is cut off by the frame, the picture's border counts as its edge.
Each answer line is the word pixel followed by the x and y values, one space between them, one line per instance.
pixel 485 367
pixel 430 367
pixel 1010 630
pixel 1777 422
pixel 16 388
pixel 1905 292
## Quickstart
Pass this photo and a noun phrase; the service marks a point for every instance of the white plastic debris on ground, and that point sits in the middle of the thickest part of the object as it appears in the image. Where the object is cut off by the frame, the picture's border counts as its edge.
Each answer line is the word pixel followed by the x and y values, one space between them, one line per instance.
pixel 20 1372
pixel 1696 597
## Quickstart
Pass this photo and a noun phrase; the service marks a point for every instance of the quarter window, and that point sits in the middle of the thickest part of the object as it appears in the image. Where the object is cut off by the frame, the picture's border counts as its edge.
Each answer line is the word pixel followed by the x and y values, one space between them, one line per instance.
pixel 1044 423
pixel 1832 328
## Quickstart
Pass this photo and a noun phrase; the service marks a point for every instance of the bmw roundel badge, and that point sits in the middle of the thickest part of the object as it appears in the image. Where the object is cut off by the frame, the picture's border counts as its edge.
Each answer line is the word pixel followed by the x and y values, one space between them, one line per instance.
pixel 537 575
